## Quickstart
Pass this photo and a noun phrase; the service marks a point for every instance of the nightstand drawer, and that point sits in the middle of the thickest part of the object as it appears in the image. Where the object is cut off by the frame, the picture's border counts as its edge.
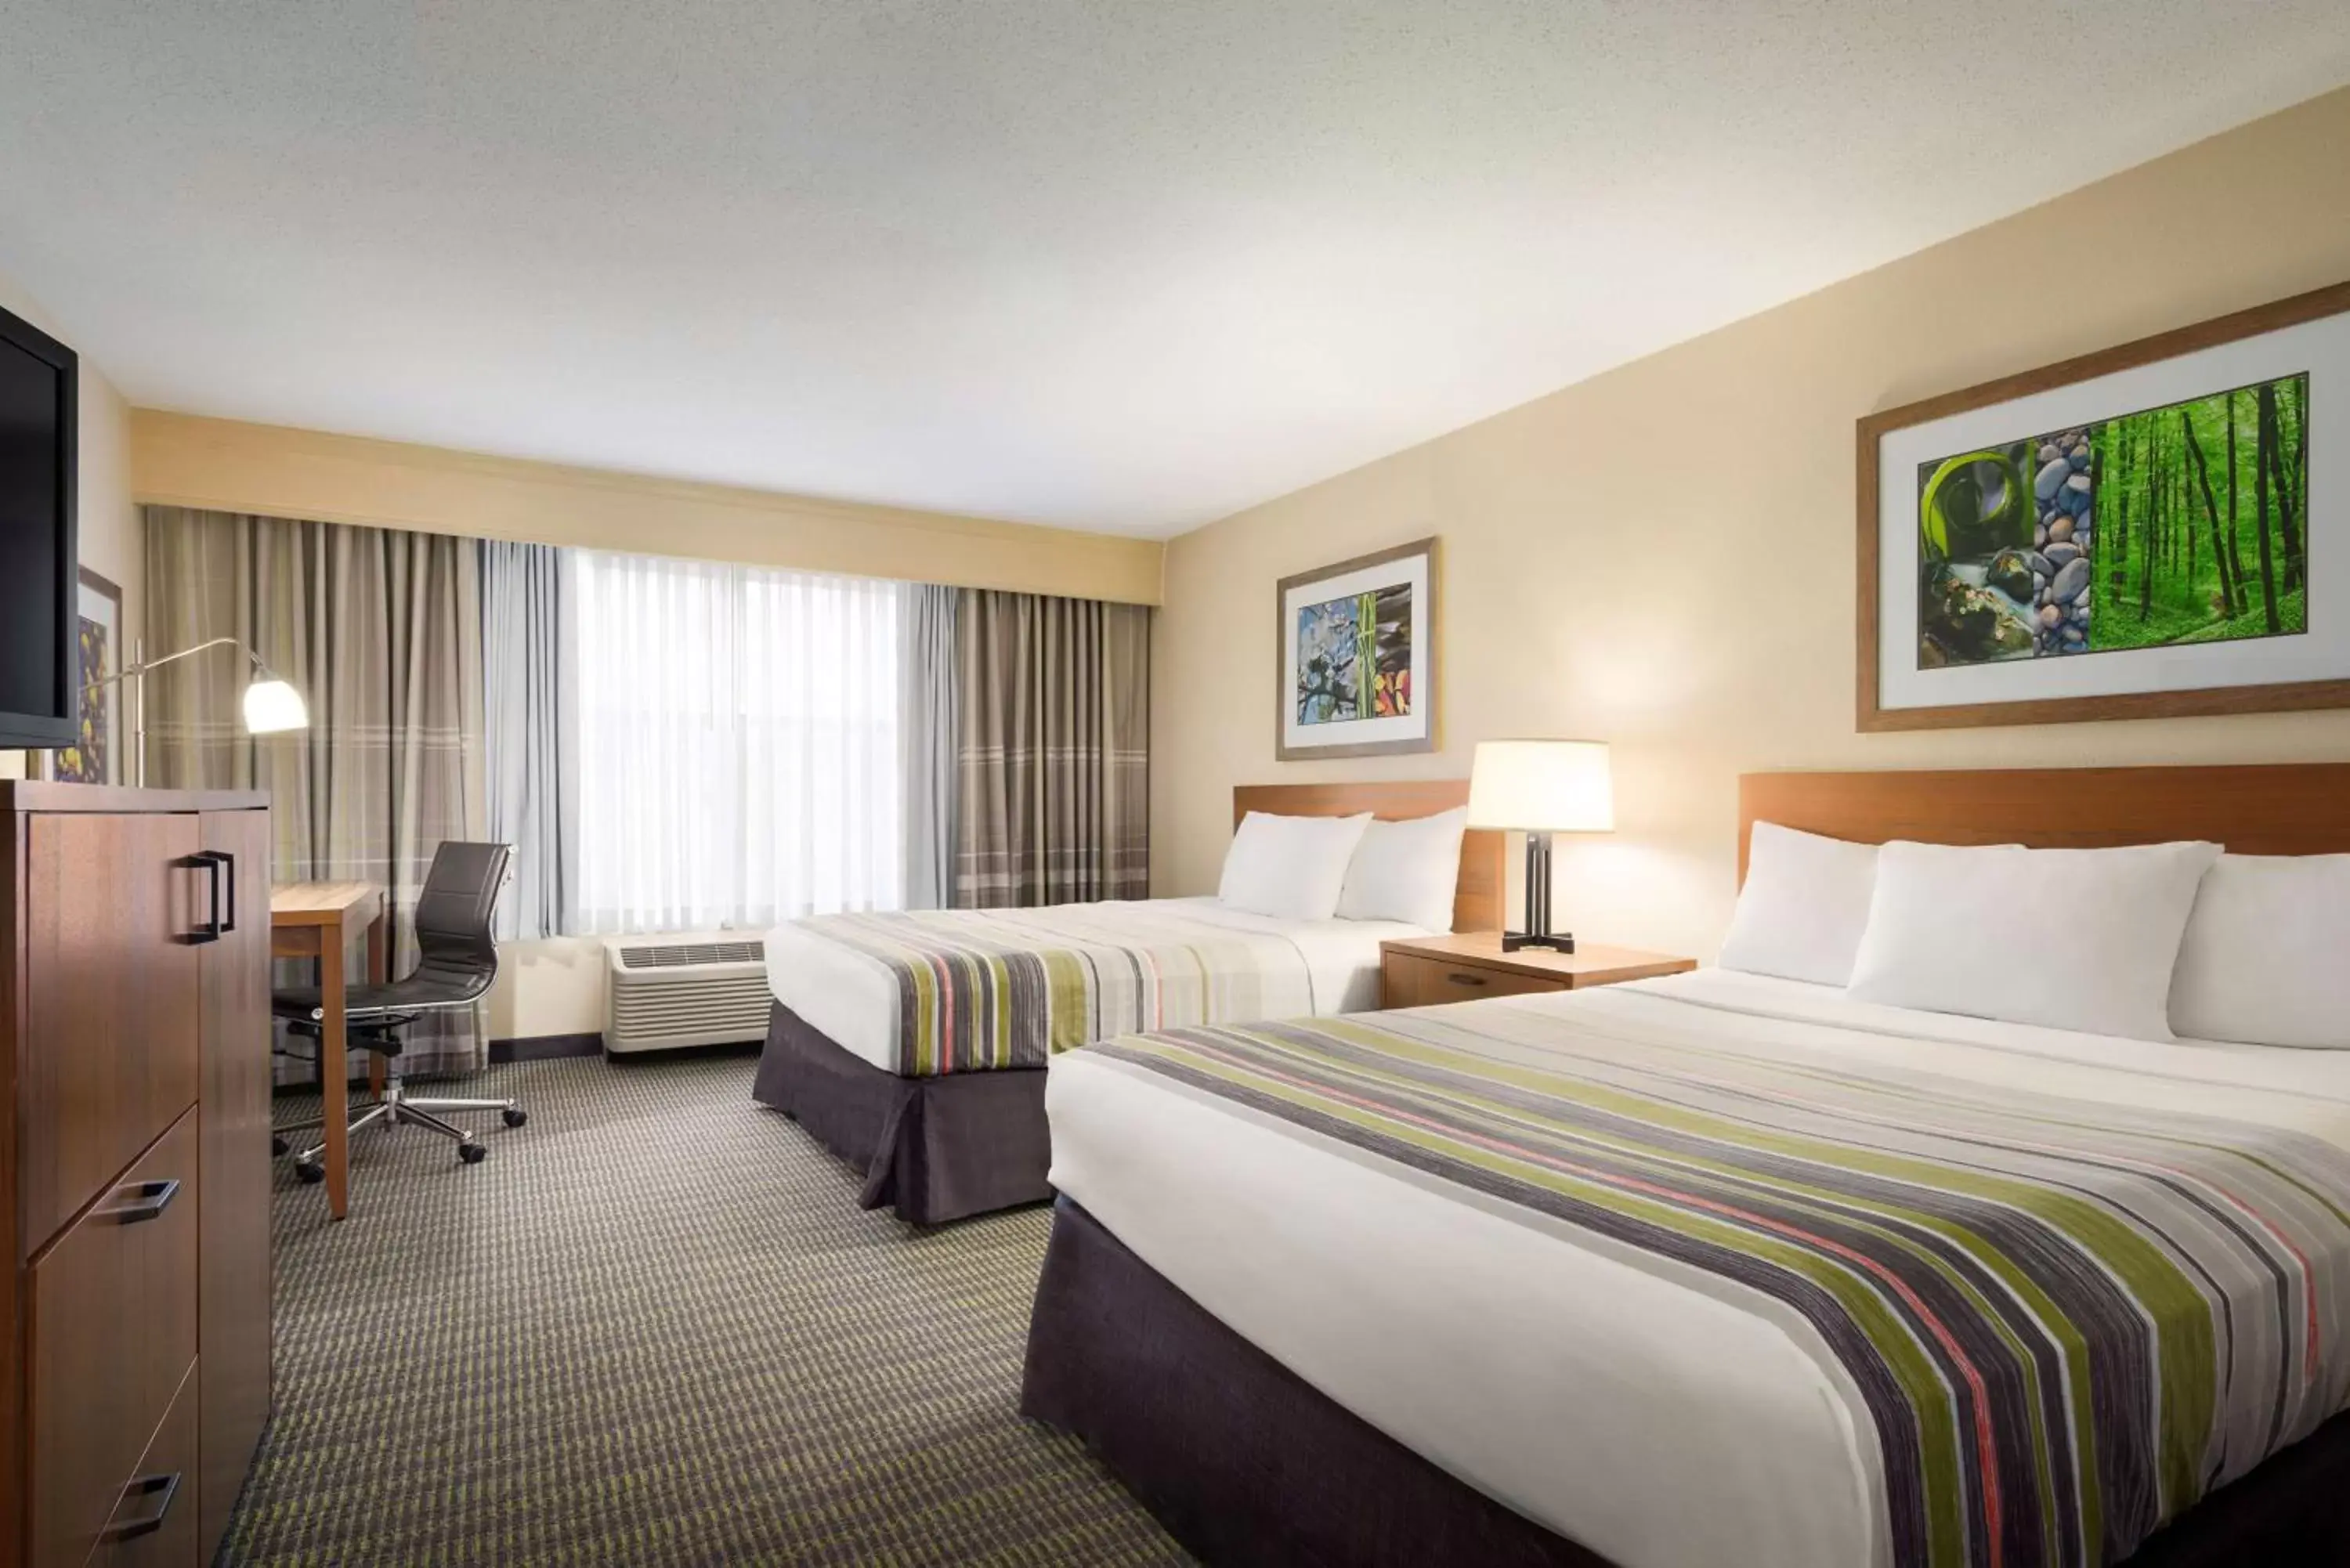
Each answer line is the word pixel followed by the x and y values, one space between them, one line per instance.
pixel 1409 979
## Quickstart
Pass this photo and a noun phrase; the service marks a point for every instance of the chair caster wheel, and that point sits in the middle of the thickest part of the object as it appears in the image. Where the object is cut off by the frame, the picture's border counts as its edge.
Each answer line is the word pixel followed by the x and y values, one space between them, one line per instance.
pixel 473 1153
pixel 515 1116
pixel 277 1145
pixel 306 1171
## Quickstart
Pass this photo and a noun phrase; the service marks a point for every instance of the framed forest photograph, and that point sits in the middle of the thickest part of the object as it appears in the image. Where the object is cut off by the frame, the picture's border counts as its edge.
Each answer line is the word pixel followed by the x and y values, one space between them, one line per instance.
pixel 1358 650
pixel 2150 531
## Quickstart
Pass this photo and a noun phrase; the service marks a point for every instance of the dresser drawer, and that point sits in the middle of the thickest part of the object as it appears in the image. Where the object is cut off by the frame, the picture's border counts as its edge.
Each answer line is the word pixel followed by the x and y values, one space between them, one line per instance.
pixel 1408 979
pixel 154 1522
pixel 110 1047
pixel 112 1335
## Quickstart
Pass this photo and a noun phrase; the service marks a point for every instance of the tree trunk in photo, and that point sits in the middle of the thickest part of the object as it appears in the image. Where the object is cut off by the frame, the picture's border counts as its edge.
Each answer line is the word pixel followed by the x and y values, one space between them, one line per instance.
pixel 2169 513
pixel 2151 526
pixel 2190 544
pixel 2293 470
pixel 2163 515
pixel 2171 517
pixel 2187 517
pixel 2117 528
pixel 2210 516
pixel 2263 435
pixel 2288 528
pixel 2235 554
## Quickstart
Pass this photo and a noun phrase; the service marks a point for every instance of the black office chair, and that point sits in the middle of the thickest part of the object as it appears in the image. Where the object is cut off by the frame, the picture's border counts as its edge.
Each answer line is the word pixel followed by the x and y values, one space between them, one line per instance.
pixel 460 958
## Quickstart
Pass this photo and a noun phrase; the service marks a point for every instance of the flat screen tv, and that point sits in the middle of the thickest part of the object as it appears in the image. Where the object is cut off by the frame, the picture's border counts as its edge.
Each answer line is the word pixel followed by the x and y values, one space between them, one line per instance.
pixel 38 554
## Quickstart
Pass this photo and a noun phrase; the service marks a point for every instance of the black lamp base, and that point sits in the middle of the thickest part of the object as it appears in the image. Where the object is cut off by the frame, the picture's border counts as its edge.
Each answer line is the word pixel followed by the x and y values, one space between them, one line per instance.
pixel 1537 933
pixel 1557 942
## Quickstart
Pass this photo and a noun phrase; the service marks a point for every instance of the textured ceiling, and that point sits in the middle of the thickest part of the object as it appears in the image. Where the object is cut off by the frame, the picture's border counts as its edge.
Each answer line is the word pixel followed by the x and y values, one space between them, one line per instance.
pixel 1126 267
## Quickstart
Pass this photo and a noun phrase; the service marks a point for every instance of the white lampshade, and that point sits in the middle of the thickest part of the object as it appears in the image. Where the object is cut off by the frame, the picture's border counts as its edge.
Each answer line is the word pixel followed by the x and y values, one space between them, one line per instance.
pixel 1542 787
pixel 271 706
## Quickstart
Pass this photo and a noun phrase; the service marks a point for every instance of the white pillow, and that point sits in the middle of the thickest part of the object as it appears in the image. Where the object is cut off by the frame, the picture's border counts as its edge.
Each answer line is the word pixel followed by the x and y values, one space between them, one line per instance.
pixel 1802 908
pixel 1290 867
pixel 2067 939
pixel 2267 954
pixel 1406 871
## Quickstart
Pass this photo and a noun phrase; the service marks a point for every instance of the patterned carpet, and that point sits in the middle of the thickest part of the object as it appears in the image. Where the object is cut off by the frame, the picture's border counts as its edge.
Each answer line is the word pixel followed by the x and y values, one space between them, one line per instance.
pixel 653 1327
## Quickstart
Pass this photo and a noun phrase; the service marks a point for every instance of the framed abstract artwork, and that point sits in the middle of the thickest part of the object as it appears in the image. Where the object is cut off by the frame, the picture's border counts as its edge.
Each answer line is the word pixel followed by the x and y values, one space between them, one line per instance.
pixel 1357 647
pixel 2151 530
pixel 96 756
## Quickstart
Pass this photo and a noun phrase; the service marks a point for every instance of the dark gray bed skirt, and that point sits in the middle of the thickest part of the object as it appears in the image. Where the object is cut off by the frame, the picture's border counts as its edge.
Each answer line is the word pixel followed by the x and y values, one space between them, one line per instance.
pixel 1246 1463
pixel 1242 1459
pixel 933 1148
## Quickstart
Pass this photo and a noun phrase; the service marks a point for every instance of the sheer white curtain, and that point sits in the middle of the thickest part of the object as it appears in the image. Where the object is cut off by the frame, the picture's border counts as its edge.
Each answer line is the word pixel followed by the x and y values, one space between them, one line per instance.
pixel 738 743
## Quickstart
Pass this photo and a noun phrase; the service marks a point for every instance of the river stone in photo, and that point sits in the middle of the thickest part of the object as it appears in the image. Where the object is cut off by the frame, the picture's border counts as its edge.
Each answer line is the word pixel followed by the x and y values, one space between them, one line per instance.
pixel 2071 579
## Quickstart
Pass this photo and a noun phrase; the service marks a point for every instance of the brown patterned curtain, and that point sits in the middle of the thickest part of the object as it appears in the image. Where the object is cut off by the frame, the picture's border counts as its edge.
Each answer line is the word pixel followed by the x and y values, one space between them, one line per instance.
pixel 1055 750
pixel 380 630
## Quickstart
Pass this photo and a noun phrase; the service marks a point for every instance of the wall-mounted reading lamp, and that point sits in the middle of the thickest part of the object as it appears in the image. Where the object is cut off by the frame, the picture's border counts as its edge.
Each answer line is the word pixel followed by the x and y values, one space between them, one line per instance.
pixel 271 705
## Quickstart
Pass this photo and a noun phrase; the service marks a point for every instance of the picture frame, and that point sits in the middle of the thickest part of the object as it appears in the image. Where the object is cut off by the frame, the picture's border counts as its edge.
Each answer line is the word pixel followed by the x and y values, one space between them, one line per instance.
pixel 96 757
pixel 2155 530
pixel 1355 647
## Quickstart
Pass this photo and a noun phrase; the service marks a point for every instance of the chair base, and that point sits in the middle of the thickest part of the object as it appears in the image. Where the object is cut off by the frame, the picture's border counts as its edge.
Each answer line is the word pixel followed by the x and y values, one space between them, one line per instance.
pixel 396 1107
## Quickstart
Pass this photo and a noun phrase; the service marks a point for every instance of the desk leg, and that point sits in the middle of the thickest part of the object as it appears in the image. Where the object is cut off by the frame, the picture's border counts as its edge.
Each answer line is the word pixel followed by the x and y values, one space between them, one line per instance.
pixel 333 1075
pixel 378 935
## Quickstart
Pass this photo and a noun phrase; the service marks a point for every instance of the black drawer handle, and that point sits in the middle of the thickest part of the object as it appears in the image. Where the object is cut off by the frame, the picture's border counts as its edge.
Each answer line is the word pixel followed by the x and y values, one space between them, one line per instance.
pixel 154 1197
pixel 209 862
pixel 154 1495
pixel 1457 978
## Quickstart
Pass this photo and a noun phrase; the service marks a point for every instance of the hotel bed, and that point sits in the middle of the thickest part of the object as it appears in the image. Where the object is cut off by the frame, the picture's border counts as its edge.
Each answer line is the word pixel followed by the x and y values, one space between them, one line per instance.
pixel 1720 1268
pixel 914 1045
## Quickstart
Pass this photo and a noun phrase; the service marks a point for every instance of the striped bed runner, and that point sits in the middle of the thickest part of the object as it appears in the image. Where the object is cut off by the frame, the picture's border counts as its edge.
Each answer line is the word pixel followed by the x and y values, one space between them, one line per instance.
pixel 2064 1319
pixel 1006 988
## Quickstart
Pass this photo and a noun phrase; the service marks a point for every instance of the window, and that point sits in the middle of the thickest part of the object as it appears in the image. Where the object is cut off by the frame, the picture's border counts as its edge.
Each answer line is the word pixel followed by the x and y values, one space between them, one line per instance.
pixel 738 743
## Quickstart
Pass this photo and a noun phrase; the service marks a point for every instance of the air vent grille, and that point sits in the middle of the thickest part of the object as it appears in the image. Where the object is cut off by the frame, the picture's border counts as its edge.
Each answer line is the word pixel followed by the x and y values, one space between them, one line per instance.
pixel 676 955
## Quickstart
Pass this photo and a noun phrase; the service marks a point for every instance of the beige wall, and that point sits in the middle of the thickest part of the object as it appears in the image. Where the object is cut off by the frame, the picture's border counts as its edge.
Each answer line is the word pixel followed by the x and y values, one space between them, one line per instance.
pixel 1662 556
pixel 109 523
pixel 551 987
pixel 187 461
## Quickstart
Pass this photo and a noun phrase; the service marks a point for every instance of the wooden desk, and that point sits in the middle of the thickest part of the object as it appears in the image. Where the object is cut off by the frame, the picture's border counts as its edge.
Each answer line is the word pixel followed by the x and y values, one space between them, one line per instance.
pixel 315 919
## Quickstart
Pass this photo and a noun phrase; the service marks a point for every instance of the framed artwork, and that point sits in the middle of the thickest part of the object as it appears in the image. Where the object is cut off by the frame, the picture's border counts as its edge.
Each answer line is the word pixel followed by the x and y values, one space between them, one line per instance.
pixel 2152 531
pixel 1357 647
pixel 97 756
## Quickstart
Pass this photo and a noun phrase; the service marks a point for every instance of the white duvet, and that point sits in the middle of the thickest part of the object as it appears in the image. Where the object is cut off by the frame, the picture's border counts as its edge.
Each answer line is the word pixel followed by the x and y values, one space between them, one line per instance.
pixel 852 999
pixel 1660 1427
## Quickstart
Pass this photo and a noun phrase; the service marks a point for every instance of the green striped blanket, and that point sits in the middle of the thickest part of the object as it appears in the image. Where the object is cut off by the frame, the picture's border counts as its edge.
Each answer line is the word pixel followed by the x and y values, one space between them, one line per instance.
pixel 2065 1318
pixel 1007 988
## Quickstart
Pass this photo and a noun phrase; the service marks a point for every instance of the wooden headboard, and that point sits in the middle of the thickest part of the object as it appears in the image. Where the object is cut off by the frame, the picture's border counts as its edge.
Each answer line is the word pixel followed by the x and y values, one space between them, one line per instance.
pixel 1476 898
pixel 2293 809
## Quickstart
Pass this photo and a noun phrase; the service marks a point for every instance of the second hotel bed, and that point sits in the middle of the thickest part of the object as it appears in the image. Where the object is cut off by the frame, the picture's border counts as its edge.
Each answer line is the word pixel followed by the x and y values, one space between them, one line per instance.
pixel 914 1045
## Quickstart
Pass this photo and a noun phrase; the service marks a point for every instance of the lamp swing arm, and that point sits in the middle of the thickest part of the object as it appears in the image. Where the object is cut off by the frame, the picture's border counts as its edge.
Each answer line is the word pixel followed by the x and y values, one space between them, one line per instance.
pixel 135 675
pixel 142 668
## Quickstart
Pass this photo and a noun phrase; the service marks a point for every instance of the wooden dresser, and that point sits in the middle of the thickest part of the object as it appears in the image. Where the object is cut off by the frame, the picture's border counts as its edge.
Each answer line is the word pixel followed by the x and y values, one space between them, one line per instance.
pixel 134 1041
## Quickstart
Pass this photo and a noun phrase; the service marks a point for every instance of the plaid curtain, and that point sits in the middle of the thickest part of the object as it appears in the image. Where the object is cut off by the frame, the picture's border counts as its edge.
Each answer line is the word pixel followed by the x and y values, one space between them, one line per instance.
pixel 380 630
pixel 1053 749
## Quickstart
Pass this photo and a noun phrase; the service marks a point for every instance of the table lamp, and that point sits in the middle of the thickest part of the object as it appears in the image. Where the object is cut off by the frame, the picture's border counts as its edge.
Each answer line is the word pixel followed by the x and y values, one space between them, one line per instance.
pixel 1539 788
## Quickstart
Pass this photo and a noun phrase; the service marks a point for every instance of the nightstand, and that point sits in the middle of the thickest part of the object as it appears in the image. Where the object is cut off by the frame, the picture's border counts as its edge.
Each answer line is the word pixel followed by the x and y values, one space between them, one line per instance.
pixel 1426 970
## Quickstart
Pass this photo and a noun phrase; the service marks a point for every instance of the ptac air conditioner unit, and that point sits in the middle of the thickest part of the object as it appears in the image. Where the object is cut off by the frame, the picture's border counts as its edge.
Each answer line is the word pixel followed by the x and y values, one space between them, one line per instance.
pixel 673 991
